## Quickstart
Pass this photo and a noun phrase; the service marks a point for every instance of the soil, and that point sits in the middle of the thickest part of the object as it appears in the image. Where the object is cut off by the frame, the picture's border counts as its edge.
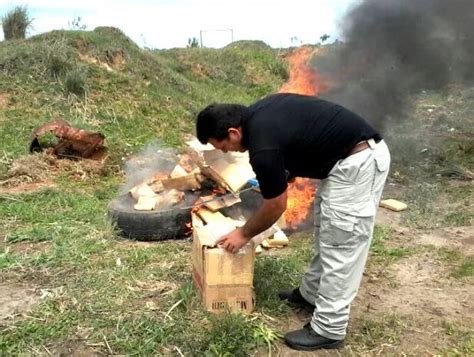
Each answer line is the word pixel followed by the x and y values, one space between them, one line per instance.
pixel 417 288
pixel 16 299
pixel 4 100
pixel 25 187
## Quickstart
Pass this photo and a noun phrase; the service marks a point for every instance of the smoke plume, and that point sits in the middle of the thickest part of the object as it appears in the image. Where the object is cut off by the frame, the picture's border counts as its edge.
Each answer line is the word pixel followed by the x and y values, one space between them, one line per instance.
pixel 395 48
pixel 154 159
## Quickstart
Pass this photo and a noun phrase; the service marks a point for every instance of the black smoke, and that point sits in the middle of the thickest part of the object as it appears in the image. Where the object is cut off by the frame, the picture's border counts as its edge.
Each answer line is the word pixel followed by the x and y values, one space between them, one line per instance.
pixel 392 49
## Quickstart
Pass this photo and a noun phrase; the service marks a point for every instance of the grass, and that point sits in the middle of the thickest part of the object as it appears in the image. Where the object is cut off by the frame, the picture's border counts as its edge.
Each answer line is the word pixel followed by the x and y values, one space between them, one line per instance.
pixel 380 249
pixel 432 157
pixel 460 265
pixel 111 296
pixel 285 272
pixel 463 339
pixel 466 269
pixel 373 335
pixel 15 23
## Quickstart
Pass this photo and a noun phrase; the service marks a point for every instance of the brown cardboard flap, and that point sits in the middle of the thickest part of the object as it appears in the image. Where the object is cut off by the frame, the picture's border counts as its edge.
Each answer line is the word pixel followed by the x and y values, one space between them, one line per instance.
pixel 209 216
pixel 230 170
pixel 182 183
pixel 210 233
pixel 233 168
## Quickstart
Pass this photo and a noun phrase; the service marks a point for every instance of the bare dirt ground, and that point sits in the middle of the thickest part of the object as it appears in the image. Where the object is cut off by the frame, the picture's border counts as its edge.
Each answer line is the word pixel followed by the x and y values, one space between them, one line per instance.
pixel 416 292
pixel 16 299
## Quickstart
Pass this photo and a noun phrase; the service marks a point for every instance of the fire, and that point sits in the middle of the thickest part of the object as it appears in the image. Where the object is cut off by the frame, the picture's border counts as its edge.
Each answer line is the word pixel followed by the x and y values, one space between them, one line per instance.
pixel 300 198
pixel 303 80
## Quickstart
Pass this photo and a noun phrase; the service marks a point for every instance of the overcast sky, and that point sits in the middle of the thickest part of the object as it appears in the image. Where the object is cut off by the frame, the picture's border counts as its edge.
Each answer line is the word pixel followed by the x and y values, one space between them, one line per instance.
pixel 167 23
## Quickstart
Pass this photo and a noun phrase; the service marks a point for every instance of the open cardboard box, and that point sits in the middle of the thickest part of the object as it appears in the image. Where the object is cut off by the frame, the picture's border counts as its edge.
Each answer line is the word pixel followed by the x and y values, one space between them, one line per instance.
pixel 224 280
pixel 231 170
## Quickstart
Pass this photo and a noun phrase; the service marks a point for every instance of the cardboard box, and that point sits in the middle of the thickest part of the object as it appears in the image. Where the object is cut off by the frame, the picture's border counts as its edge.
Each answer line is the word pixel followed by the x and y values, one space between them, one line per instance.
pixel 230 170
pixel 224 280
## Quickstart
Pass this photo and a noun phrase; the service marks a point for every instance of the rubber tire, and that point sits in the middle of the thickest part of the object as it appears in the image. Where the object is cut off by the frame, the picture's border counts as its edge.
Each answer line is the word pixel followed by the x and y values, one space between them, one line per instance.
pixel 148 225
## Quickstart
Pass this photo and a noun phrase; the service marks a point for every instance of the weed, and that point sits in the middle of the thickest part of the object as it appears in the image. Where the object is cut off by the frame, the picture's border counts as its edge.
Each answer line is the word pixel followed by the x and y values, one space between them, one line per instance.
pixel 371 333
pixel 15 23
pixel 37 233
pixel 463 340
pixel 466 269
pixel 382 235
pixel 58 65
pixel 273 274
pixel 187 295
pixel 7 260
pixel 75 83
pixel 264 335
pixel 233 335
pixel 142 335
pixel 461 266
pixel 450 255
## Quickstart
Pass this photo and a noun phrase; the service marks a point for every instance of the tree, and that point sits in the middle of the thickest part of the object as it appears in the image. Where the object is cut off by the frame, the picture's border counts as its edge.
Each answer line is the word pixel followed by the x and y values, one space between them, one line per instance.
pixel 295 41
pixel 15 23
pixel 193 42
pixel 324 37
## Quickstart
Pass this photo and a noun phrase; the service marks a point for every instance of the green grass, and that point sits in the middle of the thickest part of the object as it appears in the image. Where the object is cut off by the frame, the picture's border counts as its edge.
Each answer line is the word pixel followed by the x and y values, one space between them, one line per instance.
pixel 466 269
pixel 432 157
pixel 463 340
pixel 380 249
pixel 460 265
pixel 371 333
pixel 118 297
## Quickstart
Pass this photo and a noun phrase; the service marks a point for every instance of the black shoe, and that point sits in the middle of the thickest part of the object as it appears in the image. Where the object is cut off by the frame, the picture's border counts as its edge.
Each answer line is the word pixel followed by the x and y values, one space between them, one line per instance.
pixel 295 299
pixel 307 339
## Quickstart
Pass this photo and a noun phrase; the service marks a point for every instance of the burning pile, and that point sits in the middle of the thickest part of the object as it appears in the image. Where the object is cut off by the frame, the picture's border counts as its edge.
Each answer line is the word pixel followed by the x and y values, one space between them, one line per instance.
pixel 215 179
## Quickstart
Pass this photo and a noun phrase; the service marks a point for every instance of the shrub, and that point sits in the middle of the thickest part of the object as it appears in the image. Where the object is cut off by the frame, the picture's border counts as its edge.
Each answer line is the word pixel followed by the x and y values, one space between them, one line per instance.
pixel 56 60
pixel 15 23
pixel 57 64
pixel 75 83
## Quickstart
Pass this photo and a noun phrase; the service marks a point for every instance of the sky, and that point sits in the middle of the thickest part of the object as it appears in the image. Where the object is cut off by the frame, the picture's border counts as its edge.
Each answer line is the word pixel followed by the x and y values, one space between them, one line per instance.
pixel 164 24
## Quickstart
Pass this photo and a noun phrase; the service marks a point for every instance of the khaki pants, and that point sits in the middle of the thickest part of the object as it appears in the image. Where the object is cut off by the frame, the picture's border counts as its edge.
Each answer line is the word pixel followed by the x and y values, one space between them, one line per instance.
pixel 345 207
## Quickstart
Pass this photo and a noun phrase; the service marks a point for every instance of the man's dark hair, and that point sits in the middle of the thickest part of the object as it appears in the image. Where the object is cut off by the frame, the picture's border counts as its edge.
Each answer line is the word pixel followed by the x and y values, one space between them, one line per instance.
pixel 214 120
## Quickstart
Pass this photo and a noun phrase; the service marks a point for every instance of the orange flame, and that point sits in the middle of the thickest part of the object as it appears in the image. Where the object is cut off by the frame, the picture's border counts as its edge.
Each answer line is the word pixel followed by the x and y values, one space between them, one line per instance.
pixel 300 199
pixel 303 80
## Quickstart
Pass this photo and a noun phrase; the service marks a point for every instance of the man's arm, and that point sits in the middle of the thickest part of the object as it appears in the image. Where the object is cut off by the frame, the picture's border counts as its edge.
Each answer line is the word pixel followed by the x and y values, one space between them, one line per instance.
pixel 267 214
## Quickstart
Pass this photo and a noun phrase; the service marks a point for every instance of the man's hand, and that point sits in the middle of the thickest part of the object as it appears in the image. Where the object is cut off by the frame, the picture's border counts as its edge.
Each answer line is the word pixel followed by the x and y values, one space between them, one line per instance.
pixel 233 241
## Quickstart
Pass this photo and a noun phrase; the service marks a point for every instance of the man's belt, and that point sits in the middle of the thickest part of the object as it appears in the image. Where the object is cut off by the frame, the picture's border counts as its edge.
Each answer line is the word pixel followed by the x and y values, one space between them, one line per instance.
pixel 359 147
pixel 371 143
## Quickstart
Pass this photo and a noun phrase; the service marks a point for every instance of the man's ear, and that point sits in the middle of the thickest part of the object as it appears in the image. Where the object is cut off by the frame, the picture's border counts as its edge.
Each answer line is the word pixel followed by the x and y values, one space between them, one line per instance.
pixel 235 132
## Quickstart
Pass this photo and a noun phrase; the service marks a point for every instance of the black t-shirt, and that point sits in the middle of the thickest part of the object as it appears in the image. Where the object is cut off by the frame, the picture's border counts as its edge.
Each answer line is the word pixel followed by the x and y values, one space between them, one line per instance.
pixel 291 135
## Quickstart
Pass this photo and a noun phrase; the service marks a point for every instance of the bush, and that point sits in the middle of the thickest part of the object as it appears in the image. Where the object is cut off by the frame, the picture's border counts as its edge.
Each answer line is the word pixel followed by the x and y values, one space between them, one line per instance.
pixel 75 83
pixel 57 64
pixel 15 23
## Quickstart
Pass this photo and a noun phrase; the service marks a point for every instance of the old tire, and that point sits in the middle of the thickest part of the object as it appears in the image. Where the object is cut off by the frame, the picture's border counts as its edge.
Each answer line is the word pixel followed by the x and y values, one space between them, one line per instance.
pixel 148 225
